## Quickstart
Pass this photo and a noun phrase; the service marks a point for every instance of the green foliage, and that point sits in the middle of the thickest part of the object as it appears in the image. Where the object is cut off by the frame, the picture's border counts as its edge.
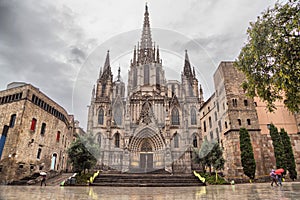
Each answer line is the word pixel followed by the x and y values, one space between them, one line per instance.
pixel 271 59
pixel 247 156
pixel 80 157
pixel 278 147
pixel 209 155
pixel 290 159
pixel 212 180
pixel 83 178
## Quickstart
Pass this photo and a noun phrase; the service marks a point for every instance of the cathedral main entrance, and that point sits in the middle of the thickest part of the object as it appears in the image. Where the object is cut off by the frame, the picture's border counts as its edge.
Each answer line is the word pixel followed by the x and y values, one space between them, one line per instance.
pixel 146 156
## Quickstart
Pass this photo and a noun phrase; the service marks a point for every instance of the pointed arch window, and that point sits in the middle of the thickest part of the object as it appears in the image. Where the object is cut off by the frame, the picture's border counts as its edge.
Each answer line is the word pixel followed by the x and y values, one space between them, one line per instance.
pixel 175 116
pixel 146 75
pixel 195 141
pixel 176 140
pixel 103 89
pixel 193 117
pixel 101 116
pixel 117 140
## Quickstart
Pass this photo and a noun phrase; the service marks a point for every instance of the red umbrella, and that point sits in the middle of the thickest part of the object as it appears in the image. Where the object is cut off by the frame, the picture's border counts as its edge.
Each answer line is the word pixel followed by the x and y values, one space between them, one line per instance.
pixel 279 171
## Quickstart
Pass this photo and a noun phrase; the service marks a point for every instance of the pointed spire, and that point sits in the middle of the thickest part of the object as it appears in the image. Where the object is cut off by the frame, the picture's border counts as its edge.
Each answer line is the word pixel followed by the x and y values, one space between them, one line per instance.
pixel 119 73
pixel 146 41
pixel 106 72
pixel 187 71
pixel 107 63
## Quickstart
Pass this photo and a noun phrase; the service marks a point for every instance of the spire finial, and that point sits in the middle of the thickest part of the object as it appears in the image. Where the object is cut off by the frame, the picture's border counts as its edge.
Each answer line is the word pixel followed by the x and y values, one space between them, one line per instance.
pixel 119 73
pixel 146 41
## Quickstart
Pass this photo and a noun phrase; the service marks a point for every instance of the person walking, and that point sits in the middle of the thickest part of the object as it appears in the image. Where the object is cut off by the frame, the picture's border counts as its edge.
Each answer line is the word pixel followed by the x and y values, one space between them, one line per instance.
pixel 279 178
pixel 43 181
pixel 273 178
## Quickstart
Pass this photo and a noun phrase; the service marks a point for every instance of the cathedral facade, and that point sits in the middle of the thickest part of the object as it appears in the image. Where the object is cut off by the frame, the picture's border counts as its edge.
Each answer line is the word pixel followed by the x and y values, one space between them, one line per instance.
pixel 155 122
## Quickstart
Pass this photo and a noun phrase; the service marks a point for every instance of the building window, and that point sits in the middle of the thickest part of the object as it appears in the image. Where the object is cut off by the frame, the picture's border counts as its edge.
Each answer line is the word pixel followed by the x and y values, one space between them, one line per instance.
pixel 216 116
pixel 157 76
pixel 204 126
pixel 117 140
pixel 218 107
pixel 12 120
pixel 38 156
pixel 146 75
pixel 209 121
pixel 175 116
pixel 176 140
pixel 234 102
pixel 225 124
pixel 43 129
pixel 245 102
pixel 33 124
pixel 173 89
pixel 57 136
pixel 255 104
pixel 99 139
pixel 195 141
pixel 248 121
pixel 118 114
pixel 211 135
pixel 240 122
pixel 193 117
pixel 220 125
pixel 103 89
pixel 101 116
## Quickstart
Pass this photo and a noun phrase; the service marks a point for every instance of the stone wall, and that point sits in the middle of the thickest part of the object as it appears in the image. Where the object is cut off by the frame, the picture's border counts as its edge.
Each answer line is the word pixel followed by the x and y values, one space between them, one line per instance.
pixel 19 157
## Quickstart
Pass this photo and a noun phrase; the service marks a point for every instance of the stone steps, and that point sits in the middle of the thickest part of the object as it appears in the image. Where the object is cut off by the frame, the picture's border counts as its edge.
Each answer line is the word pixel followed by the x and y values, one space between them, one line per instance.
pixel 146 180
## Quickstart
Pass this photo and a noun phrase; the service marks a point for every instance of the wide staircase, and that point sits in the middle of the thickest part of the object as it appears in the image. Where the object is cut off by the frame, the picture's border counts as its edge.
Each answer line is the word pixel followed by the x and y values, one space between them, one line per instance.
pixel 146 180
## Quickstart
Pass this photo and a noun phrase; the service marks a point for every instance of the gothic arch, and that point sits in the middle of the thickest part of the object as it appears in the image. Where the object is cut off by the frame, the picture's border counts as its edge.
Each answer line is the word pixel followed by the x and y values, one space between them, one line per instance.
pixel 154 140
pixel 101 116
pixel 175 119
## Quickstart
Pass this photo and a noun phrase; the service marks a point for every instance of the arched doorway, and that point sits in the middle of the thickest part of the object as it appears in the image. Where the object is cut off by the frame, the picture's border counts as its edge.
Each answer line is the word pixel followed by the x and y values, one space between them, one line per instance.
pixel 146 156
pixel 53 161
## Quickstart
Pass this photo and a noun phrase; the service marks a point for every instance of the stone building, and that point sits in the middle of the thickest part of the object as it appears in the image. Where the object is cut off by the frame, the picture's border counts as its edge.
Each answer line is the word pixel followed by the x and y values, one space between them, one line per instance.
pixel 35 133
pixel 155 123
pixel 229 109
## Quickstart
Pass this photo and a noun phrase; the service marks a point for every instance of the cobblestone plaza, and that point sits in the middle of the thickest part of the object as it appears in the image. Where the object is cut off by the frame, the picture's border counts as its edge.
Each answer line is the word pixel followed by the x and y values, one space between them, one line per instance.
pixel 242 191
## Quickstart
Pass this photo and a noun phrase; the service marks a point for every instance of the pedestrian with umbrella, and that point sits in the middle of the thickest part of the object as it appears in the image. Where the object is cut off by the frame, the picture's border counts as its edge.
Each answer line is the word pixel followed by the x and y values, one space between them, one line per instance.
pixel 278 173
pixel 43 174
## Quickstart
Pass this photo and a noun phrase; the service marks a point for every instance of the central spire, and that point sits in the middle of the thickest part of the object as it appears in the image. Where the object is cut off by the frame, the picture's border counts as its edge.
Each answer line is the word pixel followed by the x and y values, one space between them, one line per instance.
pixel 146 40
pixel 145 52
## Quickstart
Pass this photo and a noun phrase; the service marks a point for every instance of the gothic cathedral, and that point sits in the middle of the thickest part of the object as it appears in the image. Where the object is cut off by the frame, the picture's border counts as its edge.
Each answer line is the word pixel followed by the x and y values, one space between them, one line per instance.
pixel 152 126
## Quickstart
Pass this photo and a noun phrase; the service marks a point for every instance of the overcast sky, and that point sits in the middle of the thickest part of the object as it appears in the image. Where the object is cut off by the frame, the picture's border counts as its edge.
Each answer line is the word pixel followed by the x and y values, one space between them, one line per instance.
pixel 60 45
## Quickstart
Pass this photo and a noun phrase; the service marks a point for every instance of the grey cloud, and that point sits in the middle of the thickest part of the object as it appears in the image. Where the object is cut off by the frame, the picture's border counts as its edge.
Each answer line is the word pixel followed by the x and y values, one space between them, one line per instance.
pixel 34 37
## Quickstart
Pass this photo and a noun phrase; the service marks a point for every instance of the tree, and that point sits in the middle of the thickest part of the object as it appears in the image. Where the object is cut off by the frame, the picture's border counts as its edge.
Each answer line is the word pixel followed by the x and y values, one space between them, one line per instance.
pixel 247 156
pixel 270 59
pixel 80 157
pixel 217 159
pixel 288 150
pixel 278 147
pixel 210 155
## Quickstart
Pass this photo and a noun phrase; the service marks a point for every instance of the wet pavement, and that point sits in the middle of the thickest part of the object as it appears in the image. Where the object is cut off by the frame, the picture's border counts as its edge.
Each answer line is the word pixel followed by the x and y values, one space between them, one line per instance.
pixel 254 191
